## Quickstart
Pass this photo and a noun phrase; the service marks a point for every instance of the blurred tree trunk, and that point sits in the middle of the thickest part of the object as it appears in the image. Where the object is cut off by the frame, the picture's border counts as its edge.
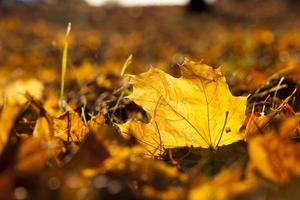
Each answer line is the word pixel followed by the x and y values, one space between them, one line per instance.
pixel 197 6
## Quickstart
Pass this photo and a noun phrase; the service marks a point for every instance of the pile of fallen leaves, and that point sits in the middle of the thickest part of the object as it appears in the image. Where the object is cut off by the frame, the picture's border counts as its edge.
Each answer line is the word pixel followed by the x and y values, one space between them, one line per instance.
pixel 157 136
pixel 179 131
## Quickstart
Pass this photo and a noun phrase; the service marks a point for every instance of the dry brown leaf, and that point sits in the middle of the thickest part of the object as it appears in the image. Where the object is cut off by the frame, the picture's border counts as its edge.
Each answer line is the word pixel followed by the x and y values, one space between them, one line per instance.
pixel 274 157
pixel 14 92
pixel 225 185
pixel 256 125
pixel 171 193
pixel 50 104
pixel 42 129
pixel 104 133
pixel 11 99
pixel 7 119
pixel 43 139
pixel 34 153
pixel 289 126
pixel 254 79
pixel 196 109
pixel 153 177
pixel 69 127
pixel 117 160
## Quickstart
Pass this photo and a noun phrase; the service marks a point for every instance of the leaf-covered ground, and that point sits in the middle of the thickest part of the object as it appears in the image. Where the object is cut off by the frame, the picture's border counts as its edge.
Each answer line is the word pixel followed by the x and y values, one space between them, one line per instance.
pixel 76 150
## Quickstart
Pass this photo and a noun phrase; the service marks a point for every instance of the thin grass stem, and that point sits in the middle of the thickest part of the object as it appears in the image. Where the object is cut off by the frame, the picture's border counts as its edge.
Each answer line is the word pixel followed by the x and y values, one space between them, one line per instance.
pixel 64 69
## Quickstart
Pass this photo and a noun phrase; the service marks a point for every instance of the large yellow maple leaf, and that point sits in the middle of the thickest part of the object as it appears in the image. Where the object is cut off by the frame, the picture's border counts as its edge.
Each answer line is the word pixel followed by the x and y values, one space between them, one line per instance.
pixel 196 109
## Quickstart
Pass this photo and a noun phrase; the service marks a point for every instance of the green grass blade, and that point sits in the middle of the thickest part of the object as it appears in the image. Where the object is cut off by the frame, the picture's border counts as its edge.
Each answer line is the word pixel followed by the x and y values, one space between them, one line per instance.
pixel 64 69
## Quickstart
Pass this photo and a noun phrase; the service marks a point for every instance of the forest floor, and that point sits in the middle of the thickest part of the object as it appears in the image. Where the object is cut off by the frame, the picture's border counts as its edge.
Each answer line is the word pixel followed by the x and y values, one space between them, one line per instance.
pixel 76 151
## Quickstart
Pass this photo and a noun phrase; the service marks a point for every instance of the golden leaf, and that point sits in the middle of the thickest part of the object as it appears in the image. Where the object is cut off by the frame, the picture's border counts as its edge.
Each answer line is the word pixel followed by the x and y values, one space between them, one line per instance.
pixel 14 92
pixel 256 125
pixel 274 157
pixel 288 127
pixel 227 184
pixel 8 116
pixel 196 109
pixel 69 127
pixel 32 155
pixel 42 129
pixel 130 162
pixel 12 97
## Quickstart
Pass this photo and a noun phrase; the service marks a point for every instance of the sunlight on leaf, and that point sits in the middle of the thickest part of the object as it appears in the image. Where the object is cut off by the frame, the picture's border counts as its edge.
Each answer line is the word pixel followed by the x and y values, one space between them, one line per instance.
pixel 7 120
pixel 11 99
pixel 225 185
pixel 196 109
pixel 289 126
pixel 274 157
pixel 32 155
pixel 256 124
pixel 14 92
pixel 69 127
pixel 42 129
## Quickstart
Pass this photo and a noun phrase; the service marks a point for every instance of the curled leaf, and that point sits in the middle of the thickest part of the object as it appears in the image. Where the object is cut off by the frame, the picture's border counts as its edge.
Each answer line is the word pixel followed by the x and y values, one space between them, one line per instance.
pixel 12 97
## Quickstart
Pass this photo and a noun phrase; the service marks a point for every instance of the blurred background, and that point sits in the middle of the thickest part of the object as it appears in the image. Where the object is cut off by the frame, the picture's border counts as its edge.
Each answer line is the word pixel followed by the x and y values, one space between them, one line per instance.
pixel 238 35
pixel 250 40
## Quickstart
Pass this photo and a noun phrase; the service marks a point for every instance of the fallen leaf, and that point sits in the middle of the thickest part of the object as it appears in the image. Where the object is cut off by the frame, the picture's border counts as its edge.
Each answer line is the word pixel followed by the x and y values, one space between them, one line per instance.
pixel 274 157
pixel 69 127
pixel 196 109
pixel 8 116
pixel 50 147
pixel 154 178
pixel 288 128
pixel 11 99
pixel 255 78
pixel 42 129
pixel 14 92
pixel 256 124
pixel 227 184
pixel 32 156
pixel 171 193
